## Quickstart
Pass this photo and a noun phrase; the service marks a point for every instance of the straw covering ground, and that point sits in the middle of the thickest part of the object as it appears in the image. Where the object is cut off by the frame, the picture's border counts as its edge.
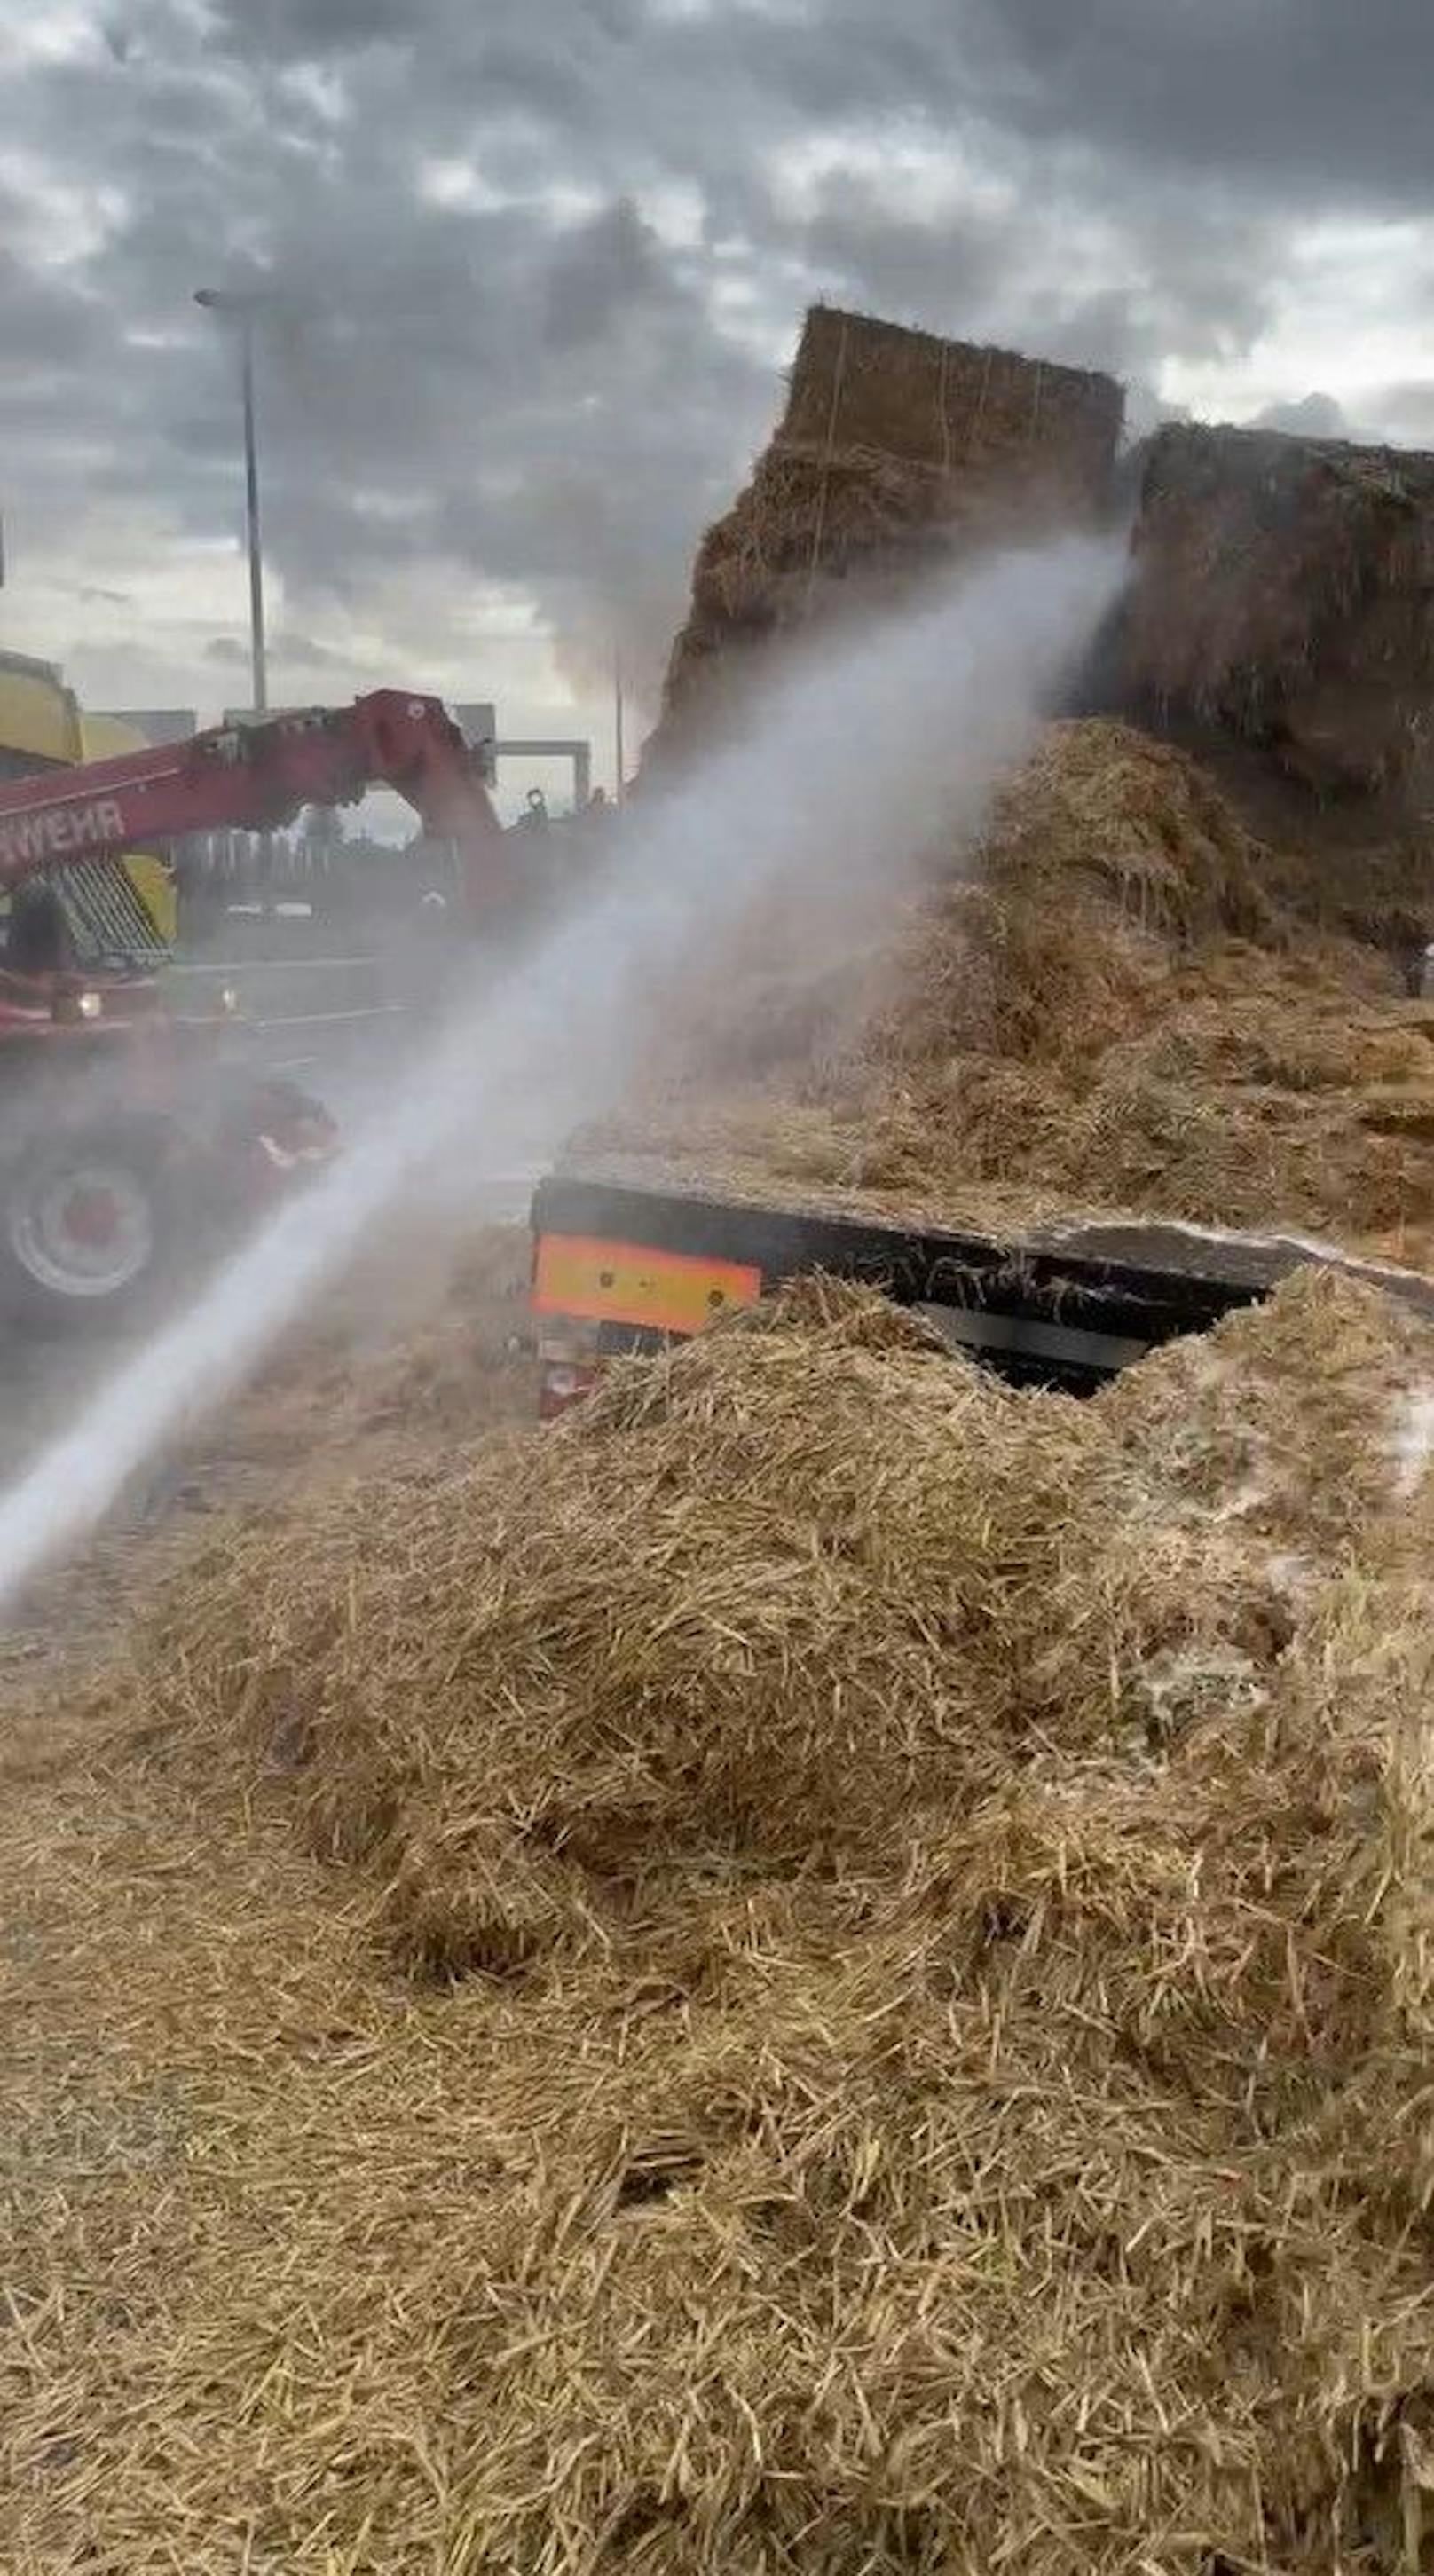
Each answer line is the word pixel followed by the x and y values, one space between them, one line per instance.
pixel 824 1969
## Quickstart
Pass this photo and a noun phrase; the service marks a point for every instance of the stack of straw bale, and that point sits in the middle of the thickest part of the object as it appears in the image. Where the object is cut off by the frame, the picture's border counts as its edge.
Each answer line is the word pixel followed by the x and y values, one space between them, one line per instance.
pixel 896 449
pixel 1283 589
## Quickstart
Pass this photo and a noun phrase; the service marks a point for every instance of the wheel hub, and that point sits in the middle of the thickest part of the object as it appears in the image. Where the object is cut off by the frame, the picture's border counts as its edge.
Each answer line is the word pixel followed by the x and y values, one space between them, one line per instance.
pixel 92 1217
pixel 82 1230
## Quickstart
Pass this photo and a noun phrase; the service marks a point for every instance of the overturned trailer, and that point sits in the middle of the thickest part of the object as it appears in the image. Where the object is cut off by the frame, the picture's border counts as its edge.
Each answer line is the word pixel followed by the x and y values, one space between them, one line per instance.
pixel 626 1262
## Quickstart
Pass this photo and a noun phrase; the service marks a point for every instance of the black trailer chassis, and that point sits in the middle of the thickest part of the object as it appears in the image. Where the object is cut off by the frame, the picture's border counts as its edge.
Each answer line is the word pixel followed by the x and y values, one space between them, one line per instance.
pixel 1064 1307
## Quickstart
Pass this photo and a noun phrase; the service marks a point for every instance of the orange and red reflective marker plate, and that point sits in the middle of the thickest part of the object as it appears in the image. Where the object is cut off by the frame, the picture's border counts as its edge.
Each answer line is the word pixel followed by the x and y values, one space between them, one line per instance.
pixel 628 1283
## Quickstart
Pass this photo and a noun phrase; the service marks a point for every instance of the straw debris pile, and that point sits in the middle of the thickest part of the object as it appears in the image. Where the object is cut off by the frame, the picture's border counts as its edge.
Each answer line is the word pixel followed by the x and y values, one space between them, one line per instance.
pixel 1102 1007
pixel 1283 588
pixel 895 448
pixel 1113 1010
pixel 1103 851
pixel 914 2051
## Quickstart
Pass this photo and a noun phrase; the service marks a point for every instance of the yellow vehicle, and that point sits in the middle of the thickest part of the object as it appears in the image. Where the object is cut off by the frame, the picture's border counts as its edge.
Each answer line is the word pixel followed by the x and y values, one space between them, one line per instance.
pixel 42 726
pixel 102 737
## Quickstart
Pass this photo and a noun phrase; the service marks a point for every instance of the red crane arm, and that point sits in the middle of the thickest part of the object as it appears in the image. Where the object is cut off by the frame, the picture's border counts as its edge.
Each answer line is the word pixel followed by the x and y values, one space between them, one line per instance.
pixel 254 778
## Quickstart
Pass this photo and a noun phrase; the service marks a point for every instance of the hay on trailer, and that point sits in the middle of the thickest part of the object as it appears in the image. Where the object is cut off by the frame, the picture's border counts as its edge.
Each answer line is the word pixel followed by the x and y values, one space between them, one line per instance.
pixel 1103 849
pixel 1283 589
pixel 1270 1106
pixel 1113 1009
pixel 957 2093
pixel 1102 805
pixel 1107 854
pixel 895 450
pixel 1101 1006
pixel 862 383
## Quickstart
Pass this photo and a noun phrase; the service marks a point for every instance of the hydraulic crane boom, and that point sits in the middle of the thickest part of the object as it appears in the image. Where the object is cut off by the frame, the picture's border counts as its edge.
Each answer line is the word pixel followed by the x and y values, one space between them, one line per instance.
pixel 133 1133
pixel 256 777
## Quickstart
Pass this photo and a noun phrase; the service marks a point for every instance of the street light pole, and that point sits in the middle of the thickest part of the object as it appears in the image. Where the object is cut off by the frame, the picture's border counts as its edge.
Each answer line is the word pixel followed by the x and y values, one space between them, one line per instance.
pixel 251 497
pixel 240 310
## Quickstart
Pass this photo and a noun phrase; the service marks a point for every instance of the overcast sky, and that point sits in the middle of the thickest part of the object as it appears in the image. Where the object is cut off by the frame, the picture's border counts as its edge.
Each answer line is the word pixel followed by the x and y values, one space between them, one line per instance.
pixel 536 265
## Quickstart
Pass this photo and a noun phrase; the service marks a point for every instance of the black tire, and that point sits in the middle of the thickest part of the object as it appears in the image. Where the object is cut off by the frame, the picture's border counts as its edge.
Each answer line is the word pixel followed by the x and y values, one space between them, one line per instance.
pixel 87 1228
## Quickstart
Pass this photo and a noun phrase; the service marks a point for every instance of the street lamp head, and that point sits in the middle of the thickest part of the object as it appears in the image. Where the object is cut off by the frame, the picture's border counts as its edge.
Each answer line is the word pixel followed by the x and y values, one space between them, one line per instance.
pixel 235 300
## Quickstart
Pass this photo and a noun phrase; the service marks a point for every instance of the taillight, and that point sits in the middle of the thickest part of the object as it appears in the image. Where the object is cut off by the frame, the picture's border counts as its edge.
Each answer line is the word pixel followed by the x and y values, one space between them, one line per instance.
pixel 568 1366
pixel 560 1386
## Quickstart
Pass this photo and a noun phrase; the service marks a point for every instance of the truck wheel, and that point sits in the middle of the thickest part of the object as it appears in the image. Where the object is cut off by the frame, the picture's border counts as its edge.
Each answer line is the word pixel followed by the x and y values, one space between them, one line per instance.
pixel 84 1229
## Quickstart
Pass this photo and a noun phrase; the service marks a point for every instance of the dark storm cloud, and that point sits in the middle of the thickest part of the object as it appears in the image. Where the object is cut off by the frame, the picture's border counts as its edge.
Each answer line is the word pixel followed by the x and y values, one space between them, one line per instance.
pixel 902 261
pixel 1194 279
pixel 1316 101
pixel 532 265
pixel 50 326
pixel 274 29
pixel 606 271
